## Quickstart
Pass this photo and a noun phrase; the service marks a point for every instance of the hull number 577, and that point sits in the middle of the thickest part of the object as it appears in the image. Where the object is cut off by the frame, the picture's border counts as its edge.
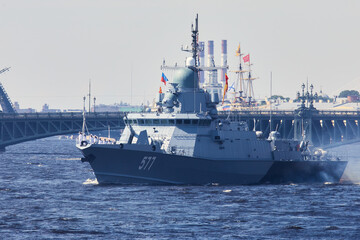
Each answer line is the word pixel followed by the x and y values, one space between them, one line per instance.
pixel 146 163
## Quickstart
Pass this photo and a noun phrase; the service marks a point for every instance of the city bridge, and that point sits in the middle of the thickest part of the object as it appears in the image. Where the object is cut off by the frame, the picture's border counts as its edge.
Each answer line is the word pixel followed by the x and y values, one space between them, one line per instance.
pixel 16 128
pixel 321 128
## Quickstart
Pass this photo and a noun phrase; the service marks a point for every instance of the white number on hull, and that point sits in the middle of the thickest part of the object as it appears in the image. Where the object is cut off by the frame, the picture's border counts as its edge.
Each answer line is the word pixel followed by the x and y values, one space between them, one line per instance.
pixel 146 163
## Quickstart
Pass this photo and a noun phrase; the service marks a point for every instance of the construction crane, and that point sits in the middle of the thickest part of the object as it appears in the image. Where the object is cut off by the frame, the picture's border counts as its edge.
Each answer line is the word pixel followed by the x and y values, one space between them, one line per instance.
pixel 5 102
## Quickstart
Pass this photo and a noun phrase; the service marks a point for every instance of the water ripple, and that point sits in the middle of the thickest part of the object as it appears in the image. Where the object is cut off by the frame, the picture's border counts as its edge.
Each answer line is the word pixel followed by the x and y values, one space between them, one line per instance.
pixel 62 200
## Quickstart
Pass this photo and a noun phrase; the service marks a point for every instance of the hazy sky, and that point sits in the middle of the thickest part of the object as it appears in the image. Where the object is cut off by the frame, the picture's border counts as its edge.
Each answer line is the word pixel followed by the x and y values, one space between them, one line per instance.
pixel 55 47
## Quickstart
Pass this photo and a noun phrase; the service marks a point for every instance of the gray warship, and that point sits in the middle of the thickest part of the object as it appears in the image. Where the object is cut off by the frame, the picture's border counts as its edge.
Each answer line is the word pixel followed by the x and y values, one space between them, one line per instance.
pixel 185 142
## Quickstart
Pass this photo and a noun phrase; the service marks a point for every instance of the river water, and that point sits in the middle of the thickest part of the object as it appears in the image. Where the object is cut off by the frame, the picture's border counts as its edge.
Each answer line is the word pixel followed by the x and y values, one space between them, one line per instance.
pixel 47 193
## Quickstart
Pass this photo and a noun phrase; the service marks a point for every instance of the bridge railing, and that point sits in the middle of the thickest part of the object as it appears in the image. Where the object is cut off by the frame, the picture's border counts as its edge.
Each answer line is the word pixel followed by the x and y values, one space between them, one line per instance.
pixel 256 112
pixel 60 115
pixel 121 114
pixel 339 113
pixel 290 113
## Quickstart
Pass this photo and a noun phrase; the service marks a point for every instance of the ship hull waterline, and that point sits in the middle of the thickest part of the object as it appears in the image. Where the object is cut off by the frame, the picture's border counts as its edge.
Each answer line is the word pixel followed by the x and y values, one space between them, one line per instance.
pixel 113 165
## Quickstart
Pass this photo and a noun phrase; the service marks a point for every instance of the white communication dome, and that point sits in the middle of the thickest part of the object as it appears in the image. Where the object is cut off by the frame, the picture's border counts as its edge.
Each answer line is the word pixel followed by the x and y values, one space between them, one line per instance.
pixel 190 61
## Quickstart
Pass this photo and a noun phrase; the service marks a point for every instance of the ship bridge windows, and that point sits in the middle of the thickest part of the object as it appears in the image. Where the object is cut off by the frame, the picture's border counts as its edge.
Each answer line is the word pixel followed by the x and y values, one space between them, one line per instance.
pixel 148 121
pixel 130 121
pixel 187 121
pixel 195 121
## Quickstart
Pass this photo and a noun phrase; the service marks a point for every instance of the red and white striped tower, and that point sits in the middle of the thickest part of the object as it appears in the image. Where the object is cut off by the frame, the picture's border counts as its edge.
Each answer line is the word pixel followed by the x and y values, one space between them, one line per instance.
pixel 223 60
pixel 202 61
pixel 211 84
pixel 210 60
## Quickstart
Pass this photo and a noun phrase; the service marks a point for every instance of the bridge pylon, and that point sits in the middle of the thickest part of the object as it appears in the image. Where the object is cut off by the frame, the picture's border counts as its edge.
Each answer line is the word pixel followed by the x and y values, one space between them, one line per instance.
pixel 5 102
pixel 303 115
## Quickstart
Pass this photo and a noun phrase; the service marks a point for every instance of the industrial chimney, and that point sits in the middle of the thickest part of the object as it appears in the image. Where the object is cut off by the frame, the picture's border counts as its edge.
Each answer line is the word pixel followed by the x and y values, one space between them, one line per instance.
pixel 202 61
pixel 223 60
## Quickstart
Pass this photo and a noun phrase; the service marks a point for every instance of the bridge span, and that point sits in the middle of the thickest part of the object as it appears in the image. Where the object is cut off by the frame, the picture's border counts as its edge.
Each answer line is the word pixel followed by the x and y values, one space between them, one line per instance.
pixel 322 128
pixel 17 128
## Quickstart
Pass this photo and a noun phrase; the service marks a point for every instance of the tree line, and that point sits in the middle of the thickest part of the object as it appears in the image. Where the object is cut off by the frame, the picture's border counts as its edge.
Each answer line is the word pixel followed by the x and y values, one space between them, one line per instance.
pixel 347 93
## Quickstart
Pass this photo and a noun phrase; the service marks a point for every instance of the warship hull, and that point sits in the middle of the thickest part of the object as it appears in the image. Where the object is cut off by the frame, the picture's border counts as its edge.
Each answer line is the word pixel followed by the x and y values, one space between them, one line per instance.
pixel 113 165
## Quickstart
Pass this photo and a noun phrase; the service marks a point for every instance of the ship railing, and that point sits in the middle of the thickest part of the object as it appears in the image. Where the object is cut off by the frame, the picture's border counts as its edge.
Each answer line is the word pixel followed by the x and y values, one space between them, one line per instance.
pixel 181 151
pixel 328 156
pixel 336 156
pixel 161 139
pixel 93 139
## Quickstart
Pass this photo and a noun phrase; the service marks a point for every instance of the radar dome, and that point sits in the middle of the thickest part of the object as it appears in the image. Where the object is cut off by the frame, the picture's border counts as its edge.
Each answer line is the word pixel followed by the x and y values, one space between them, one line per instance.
pixel 190 62
pixel 186 78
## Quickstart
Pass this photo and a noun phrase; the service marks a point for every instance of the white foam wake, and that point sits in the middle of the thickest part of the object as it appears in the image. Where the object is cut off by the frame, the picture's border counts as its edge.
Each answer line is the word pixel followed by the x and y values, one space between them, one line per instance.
pixel 91 182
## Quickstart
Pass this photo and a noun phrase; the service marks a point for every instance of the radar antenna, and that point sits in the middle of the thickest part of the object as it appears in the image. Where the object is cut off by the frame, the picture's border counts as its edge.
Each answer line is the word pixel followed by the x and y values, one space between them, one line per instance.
pixel 195 48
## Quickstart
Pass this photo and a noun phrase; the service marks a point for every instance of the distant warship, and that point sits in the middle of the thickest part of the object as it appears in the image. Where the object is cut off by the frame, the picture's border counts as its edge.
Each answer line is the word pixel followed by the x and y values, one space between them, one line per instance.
pixel 185 142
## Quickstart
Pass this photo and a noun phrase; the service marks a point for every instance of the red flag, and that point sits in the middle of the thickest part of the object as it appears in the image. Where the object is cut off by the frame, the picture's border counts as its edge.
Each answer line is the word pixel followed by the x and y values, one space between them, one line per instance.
pixel 246 58
pixel 226 77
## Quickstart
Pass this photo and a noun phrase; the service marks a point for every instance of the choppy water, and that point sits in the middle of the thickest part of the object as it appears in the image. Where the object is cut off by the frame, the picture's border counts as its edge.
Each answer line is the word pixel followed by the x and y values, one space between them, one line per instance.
pixel 47 193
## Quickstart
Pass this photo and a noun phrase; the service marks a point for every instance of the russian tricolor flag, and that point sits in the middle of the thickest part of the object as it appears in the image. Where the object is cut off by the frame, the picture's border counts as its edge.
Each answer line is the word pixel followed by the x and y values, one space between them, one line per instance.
pixel 164 78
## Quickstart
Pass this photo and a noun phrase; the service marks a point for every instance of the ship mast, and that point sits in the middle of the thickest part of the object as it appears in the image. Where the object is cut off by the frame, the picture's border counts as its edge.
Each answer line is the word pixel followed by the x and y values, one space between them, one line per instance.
pixel 195 48
pixel 240 77
pixel 84 118
pixel 249 87
pixel 89 94
pixel 194 44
